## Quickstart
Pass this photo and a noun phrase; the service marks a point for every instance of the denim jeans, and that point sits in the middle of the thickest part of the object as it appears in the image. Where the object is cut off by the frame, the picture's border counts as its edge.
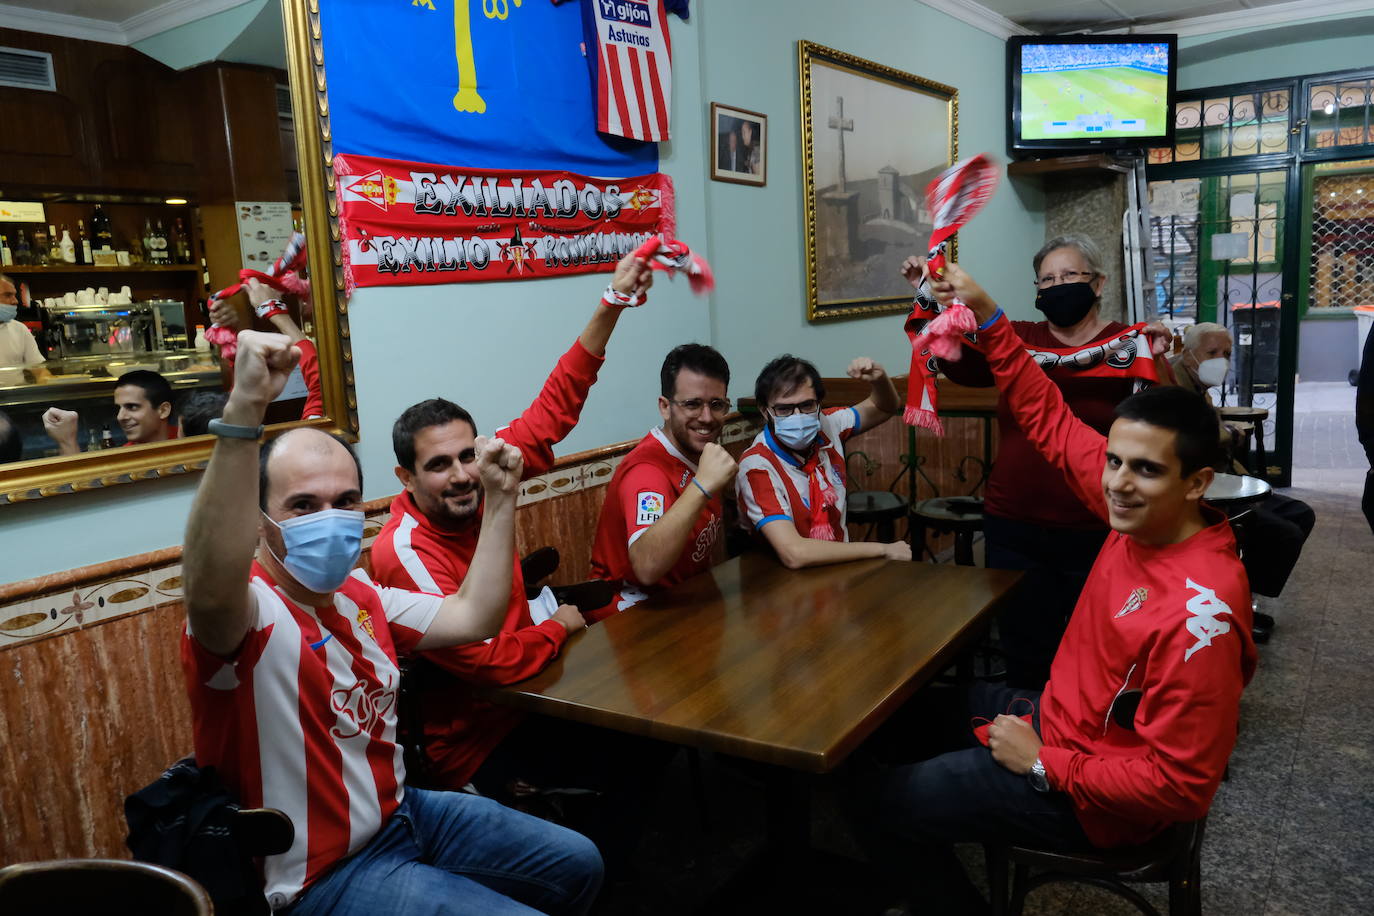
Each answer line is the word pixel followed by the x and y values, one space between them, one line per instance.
pixel 451 854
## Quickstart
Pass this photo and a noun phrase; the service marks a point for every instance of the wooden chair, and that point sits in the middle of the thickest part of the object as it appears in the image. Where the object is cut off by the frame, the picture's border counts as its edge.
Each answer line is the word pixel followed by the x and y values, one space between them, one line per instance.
pixel 1174 857
pixel 111 887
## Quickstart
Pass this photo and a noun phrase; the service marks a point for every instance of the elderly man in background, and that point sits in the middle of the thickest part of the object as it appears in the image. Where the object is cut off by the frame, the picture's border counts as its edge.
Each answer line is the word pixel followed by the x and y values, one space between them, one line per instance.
pixel 17 346
pixel 1272 536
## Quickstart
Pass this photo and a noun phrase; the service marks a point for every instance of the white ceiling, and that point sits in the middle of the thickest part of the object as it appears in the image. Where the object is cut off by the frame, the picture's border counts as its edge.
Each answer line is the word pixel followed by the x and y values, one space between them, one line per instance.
pixel 1052 16
pixel 128 22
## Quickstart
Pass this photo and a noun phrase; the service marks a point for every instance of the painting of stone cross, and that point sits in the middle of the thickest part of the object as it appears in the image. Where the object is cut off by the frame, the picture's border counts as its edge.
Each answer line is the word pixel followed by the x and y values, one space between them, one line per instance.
pixel 877 137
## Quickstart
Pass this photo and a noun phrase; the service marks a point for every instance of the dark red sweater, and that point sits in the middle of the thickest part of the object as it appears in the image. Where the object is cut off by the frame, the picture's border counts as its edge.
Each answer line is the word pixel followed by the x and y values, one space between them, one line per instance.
pixel 1023 487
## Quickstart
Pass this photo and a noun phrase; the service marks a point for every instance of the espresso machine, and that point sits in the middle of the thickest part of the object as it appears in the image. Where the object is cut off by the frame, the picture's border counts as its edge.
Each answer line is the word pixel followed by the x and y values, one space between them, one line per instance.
pixel 154 326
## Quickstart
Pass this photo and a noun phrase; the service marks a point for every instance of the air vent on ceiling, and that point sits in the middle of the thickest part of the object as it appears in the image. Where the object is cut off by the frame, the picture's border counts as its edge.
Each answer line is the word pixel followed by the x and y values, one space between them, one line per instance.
pixel 283 101
pixel 26 69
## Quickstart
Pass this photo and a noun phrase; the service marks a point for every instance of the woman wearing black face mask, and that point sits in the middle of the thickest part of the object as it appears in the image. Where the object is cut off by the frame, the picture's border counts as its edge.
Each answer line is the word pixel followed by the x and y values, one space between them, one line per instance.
pixel 1032 520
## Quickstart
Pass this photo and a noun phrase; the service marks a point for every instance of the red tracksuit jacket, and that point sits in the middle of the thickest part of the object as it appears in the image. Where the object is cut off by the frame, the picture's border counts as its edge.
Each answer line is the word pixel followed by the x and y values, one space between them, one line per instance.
pixel 461 730
pixel 1172 622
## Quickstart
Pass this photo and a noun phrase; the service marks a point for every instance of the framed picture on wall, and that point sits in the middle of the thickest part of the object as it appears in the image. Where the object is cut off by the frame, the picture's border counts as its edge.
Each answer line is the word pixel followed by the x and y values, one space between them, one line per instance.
pixel 872 139
pixel 739 145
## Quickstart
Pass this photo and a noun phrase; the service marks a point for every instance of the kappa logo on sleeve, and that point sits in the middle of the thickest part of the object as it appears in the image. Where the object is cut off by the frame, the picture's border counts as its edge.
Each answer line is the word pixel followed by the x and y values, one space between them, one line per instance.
pixel 650 508
pixel 1205 607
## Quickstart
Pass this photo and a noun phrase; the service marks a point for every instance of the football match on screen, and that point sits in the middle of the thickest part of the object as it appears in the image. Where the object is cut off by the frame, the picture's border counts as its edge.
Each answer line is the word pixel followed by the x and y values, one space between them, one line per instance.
pixel 1093 90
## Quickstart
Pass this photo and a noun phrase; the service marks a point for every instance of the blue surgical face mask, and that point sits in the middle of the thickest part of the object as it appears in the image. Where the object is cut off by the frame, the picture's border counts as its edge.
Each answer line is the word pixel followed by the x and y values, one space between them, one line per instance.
pixel 7 313
pixel 798 431
pixel 322 547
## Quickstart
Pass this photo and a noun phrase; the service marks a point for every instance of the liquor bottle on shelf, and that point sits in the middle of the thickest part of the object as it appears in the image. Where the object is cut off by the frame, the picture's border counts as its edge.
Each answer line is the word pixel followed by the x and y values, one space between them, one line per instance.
pixel 100 230
pixel 83 244
pixel 181 243
pixel 204 273
pixel 106 438
pixel 164 250
pixel 66 247
pixel 6 256
pixel 41 243
pixel 23 254
pixel 149 249
pixel 93 441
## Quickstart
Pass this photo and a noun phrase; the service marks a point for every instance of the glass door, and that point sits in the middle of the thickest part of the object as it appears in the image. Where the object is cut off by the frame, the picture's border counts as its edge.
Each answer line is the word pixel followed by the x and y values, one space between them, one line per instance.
pixel 1222 241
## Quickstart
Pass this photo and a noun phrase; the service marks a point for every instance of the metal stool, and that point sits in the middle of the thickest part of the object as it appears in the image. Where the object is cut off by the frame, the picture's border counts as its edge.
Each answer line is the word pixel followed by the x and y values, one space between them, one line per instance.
pixel 1173 856
pixel 960 515
pixel 876 507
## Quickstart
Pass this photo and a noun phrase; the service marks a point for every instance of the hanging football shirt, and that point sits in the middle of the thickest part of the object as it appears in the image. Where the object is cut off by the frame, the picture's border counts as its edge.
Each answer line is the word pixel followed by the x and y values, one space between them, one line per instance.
pixel 468 83
pixel 632 71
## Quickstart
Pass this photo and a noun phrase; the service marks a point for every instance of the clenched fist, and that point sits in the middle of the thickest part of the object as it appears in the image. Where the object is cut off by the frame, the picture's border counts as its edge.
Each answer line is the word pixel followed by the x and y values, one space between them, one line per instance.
pixel 500 466
pixel 716 470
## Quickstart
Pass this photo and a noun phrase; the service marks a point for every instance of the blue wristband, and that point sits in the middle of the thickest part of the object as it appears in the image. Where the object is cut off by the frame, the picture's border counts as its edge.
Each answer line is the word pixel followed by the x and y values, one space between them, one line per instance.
pixel 987 324
pixel 704 492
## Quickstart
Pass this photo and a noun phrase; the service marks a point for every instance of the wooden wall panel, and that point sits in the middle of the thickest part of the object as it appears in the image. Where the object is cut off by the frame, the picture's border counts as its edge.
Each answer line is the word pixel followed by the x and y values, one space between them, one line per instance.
pixel 87 717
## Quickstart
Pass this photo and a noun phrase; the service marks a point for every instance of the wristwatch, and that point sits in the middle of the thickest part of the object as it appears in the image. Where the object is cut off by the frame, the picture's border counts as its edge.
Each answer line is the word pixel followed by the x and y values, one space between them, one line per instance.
pixel 1037 778
pixel 234 431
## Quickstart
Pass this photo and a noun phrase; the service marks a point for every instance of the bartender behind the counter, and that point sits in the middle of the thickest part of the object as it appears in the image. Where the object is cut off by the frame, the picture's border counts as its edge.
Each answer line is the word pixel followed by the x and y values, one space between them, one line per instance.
pixel 17 346
pixel 143 401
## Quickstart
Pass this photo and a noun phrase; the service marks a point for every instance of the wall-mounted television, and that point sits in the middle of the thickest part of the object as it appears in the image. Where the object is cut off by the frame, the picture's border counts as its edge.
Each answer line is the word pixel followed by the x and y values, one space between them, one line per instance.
pixel 1079 93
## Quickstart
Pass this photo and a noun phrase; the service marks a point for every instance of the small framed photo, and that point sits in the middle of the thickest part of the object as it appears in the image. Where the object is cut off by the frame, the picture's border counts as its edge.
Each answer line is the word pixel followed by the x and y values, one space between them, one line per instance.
pixel 739 145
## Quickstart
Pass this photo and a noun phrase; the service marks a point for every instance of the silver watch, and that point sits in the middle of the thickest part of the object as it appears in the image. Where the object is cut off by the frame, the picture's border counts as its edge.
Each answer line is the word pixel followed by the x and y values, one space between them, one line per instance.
pixel 1037 778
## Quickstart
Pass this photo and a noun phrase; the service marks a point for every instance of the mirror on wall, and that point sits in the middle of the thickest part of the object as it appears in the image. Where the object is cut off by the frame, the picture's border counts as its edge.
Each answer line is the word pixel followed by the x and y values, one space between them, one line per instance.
pixel 135 184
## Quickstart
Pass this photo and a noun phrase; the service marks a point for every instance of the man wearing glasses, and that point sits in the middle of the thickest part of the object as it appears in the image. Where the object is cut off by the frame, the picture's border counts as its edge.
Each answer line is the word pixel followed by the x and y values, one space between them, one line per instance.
pixel 792 481
pixel 661 522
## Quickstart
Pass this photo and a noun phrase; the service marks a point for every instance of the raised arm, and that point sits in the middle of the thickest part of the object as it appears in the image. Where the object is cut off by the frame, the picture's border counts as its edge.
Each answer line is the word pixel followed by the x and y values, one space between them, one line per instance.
pixel 477 609
pixel 970 369
pixel 655 551
pixel 883 402
pixel 558 406
pixel 1065 441
pixel 222 532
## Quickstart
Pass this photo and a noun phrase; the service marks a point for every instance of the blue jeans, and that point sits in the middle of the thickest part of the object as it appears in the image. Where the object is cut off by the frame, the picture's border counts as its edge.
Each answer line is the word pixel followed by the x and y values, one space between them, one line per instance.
pixel 451 854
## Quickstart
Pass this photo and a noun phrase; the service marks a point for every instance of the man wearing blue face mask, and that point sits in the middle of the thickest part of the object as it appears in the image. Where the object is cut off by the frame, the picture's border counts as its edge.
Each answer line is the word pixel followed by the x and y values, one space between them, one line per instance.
pixel 290 661
pixel 17 346
pixel 791 481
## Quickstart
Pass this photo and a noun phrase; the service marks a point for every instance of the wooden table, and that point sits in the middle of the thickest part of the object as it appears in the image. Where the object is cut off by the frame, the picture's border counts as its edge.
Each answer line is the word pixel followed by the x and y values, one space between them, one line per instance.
pixel 793 668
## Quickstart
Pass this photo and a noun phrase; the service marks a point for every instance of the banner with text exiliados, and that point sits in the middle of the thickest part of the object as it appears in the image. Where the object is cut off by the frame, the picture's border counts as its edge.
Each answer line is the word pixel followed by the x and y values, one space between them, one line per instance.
pixel 410 224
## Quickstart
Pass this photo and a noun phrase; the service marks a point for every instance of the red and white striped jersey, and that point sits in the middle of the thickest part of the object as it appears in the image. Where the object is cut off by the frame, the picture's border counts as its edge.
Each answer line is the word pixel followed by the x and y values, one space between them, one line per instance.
pixel 303 717
pixel 771 485
pixel 633 71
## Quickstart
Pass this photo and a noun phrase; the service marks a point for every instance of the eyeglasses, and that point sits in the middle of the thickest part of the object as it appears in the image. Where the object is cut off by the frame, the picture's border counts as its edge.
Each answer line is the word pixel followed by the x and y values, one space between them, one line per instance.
pixel 1068 276
pixel 786 410
pixel 718 406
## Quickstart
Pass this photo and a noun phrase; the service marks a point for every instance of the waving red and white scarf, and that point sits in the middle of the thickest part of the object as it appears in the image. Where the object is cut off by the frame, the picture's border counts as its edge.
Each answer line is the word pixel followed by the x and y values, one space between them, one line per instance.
pixel 953 198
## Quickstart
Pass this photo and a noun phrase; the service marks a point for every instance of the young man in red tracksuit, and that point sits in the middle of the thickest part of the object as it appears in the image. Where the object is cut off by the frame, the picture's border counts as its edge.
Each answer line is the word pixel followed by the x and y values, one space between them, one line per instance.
pixel 428 543
pixel 1133 730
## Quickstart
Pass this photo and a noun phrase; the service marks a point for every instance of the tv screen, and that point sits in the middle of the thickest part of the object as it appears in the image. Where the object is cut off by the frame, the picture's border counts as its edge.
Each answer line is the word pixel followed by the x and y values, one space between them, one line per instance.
pixel 1080 93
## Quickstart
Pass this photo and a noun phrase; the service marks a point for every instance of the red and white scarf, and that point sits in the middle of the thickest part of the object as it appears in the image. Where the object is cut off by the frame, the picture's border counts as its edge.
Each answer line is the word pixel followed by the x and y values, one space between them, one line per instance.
pixel 953 198
pixel 825 512
pixel 284 276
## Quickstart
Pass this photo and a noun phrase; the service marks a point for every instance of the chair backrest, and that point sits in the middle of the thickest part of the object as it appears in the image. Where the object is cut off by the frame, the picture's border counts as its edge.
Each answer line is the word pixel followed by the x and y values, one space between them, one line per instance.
pixel 111 887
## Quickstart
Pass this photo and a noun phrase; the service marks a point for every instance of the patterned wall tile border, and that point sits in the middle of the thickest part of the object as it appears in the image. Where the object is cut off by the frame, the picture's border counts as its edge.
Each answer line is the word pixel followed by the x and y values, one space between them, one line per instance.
pixel 51 605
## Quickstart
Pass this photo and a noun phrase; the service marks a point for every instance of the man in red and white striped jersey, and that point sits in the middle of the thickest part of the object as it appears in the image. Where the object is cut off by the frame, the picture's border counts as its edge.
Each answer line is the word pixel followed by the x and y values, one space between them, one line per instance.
pixel 791 481
pixel 290 660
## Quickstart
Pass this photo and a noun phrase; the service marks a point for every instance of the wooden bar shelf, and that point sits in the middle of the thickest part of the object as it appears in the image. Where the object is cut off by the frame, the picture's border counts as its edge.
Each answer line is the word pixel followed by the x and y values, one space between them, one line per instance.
pixel 91 269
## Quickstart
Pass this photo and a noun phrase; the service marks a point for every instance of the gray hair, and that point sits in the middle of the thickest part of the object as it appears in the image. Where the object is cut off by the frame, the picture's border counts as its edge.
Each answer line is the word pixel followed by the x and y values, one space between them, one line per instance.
pixel 1193 333
pixel 1083 245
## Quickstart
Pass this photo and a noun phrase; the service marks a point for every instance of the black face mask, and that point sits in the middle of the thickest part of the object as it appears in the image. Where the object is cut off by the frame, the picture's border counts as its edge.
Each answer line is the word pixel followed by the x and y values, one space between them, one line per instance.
pixel 1066 304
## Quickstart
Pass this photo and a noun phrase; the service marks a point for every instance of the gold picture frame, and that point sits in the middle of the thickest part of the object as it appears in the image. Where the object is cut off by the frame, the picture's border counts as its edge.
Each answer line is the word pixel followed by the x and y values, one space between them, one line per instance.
pixel 24 481
pixel 905 130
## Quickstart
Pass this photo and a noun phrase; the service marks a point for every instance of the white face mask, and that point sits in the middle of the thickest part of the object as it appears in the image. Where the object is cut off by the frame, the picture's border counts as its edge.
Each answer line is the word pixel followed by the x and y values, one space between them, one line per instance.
pixel 1212 372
